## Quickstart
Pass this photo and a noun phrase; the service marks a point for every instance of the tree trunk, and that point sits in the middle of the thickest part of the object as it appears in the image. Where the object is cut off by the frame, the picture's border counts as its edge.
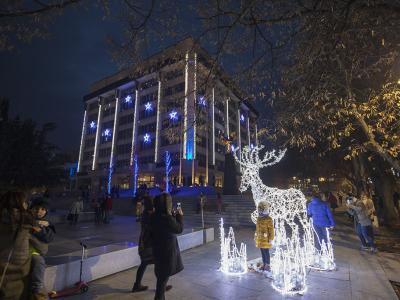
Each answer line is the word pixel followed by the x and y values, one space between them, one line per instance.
pixel 385 186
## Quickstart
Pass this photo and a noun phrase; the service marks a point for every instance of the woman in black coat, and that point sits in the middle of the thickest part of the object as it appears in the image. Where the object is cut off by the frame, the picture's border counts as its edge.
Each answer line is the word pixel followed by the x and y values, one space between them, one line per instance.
pixel 145 244
pixel 165 224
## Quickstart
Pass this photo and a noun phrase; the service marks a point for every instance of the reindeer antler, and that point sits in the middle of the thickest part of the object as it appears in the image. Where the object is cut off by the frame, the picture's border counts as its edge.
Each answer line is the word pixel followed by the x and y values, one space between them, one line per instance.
pixel 270 158
pixel 250 156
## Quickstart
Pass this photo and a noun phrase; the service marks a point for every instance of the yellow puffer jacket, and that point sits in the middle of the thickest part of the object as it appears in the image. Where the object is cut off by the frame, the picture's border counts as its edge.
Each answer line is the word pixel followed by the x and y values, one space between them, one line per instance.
pixel 264 232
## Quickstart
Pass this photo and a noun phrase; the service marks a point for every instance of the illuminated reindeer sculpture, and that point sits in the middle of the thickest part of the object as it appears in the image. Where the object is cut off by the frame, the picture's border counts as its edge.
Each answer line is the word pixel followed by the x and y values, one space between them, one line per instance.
pixel 294 242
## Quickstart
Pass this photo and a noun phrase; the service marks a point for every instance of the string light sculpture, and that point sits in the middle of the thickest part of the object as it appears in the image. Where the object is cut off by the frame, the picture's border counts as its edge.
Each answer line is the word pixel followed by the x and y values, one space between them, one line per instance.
pixel 294 239
pixel 168 169
pixel 233 261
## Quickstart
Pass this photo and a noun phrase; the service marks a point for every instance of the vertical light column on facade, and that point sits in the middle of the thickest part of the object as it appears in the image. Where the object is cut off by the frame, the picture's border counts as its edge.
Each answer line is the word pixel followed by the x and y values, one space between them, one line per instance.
pixel 213 125
pixel 157 122
pixel 96 142
pixel 134 126
pixel 114 133
pixel 227 116
pixel 256 136
pixel 248 129
pixel 82 145
pixel 239 140
pixel 185 107
pixel 195 102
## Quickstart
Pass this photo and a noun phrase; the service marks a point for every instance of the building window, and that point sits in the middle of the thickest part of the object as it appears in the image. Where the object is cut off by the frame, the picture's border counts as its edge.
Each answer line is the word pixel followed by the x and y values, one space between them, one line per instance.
pixel 147 128
pixel 88 155
pixel 125 134
pixel 89 142
pixel 128 102
pixel 106 135
pixel 123 149
pixel 108 111
pixel 91 127
pixel 105 152
pixel 126 119
pixel 148 98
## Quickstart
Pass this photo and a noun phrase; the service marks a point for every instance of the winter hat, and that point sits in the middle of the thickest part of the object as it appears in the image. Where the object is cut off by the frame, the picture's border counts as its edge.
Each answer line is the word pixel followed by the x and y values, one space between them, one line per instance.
pixel 40 202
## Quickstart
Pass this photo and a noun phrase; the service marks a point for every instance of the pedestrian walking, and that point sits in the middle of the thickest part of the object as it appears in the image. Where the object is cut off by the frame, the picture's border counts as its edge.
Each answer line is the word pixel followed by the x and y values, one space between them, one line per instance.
pixel 107 208
pixel 332 201
pixel 264 234
pixel 16 223
pixel 138 207
pixel 145 245
pixel 219 203
pixel 322 218
pixel 370 207
pixel 97 210
pixel 365 223
pixel 201 202
pixel 165 224
pixel 75 210
pixel 42 234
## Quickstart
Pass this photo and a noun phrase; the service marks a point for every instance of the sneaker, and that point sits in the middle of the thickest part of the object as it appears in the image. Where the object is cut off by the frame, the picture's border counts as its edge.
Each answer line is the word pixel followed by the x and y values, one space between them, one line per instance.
pixel 139 288
pixel 365 248
pixel 168 287
pixel 373 250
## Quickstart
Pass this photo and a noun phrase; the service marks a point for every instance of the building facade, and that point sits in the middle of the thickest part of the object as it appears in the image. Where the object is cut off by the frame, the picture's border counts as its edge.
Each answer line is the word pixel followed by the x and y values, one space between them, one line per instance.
pixel 175 101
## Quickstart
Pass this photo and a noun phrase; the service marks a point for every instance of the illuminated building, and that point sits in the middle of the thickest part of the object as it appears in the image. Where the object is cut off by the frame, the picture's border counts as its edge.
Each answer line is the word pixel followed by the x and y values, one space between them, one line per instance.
pixel 166 103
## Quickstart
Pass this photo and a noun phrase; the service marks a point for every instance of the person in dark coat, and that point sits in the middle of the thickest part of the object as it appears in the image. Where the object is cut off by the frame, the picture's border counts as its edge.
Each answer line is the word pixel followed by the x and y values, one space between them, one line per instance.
pixel 322 217
pixel 43 234
pixel 15 228
pixel 145 244
pixel 165 224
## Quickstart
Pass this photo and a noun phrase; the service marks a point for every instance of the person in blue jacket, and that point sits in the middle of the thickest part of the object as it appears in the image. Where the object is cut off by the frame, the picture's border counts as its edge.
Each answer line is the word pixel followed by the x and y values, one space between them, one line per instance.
pixel 322 217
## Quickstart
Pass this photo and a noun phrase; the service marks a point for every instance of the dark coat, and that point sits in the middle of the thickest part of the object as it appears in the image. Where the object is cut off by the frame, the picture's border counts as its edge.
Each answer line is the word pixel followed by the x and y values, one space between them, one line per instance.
pixel 40 240
pixel 167 256
pixel 145 240
pixel 17 275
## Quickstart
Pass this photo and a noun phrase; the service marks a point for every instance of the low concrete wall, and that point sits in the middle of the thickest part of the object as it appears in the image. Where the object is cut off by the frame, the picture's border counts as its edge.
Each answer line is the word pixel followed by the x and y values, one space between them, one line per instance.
pixel 64 275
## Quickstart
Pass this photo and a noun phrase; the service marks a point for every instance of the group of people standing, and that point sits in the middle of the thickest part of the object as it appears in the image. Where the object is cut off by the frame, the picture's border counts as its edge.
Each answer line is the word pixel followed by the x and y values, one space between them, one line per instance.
pixel 158 244
pixel 102 207
pixel 24 237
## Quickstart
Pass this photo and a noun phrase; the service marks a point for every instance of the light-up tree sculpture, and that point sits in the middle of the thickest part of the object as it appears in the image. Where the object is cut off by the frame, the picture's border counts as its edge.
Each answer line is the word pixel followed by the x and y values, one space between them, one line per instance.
pixel 168 169
pixel 294 239
pixel 233 261
pixel 135 174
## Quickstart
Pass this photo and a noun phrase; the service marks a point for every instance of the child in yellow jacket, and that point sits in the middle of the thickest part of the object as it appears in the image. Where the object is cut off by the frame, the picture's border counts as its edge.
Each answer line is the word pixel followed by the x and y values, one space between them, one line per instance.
pixel 264 234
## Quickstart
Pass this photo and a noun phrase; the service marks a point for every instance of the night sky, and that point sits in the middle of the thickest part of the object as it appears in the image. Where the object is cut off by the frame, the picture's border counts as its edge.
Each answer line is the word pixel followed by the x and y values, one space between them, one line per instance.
pixel 47 79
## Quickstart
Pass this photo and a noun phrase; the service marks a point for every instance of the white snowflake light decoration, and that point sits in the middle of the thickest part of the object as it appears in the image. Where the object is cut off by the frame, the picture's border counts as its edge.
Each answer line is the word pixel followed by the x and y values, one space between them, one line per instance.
pixel 233 261
pixel 294 239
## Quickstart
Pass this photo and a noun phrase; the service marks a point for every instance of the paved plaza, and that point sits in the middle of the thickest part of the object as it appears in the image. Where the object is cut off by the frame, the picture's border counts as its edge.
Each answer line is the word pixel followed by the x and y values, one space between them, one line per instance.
pixel 359 275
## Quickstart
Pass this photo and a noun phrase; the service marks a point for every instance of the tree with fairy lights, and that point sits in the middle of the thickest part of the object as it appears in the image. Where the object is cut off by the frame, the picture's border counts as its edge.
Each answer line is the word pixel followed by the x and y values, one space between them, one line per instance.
pixel 135 174
pixel 294 243
pixel 168 169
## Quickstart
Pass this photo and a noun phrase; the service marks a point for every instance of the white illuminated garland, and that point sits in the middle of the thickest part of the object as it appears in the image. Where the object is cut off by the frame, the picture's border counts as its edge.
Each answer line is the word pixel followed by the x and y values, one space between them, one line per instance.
pixel 294 235
pixel 233 261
